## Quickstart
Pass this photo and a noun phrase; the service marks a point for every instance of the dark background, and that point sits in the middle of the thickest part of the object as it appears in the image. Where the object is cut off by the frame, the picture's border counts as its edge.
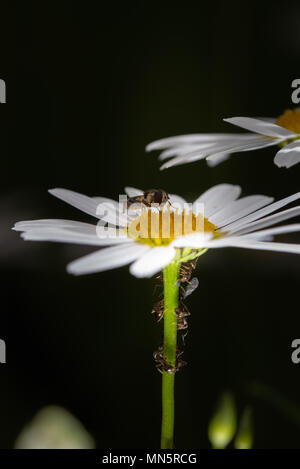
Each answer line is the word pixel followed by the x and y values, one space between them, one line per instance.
pixel 89 84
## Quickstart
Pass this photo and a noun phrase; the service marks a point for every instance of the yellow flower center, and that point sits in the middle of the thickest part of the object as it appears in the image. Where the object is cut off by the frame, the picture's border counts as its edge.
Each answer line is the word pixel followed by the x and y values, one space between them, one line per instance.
pixel 160 228
pixel 290 120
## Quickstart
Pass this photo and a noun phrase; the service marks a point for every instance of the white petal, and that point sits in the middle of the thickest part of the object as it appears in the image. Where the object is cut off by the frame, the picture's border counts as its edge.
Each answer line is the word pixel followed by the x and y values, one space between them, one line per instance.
pixel 261 213
pixel 153 261
pixel 239 208
pixel 183 160
pixel 52 223
pixel 267 119
pixel 214 160
pixel 101 200
pixel 114 214
pixel 261 126
pixel 248 243
pixel 275 231
pixel 106 259
pixel 177 200
pixel 133 192
pixel 249 142
pixel 259 141
pixel 252 142
pixel 184 150
pixel 209 147
pixel 112 211
pixel 213 148
pixel 265 246
pixel 288 156
pixel 201 151
pixel 191 139
pixel 268 221
pixel 80 201
pixel 107 211
pixel 65 235
pixel 217 197
pixel 216 243
pixel 197 240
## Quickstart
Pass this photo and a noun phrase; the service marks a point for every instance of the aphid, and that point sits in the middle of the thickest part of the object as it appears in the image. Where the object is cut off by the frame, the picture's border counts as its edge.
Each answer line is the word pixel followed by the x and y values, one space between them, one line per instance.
pixel 191 287
pixel 151 196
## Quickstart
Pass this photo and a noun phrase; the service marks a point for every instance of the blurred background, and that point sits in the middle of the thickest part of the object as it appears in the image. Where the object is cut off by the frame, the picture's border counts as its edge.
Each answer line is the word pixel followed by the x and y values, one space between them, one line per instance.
pixel 88 86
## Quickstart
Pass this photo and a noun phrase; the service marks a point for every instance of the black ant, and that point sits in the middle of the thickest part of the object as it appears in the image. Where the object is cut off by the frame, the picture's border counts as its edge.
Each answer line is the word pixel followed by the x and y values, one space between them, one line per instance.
pixel 181 312
pixel 162 365
pixel 158 310
pixel 186 270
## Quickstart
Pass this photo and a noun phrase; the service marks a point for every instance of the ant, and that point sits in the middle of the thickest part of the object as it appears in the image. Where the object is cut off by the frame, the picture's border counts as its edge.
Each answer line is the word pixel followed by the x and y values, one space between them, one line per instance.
pixel 158 310
pixel 162 365
pixel 181 312
pixel 186 270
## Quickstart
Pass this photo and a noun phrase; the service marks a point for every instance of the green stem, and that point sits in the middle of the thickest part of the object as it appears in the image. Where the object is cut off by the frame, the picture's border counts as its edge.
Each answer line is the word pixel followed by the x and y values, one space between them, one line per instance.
pixel 170 275
pixel 188 257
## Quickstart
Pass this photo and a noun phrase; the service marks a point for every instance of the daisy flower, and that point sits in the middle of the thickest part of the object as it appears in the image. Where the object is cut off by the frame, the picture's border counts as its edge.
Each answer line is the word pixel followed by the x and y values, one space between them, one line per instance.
pixel 163 237
pixel 218 218
pixel 215 148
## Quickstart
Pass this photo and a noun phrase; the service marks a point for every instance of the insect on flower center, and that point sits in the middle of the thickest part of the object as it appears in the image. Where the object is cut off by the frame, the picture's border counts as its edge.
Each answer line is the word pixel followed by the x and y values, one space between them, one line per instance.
pixel 290 120
pixel 161 227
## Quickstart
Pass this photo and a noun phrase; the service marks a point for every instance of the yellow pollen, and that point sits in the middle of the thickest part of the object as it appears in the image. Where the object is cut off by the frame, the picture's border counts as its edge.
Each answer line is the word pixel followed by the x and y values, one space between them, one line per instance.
pixel 160 228
pixel 290 120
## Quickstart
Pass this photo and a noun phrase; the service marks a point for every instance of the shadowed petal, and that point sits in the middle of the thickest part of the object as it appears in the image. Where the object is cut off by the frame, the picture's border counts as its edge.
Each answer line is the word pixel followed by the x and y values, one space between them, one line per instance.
pixel 106 259
pixel 261 127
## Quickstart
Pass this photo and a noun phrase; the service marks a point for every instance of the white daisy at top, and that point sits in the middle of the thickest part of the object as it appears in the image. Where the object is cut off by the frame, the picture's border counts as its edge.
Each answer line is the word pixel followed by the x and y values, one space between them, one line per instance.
pixel 225 220
pixel 215 148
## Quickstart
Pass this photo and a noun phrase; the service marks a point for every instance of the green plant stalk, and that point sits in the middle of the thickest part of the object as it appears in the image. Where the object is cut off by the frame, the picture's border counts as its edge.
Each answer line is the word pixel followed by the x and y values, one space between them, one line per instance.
pixel 189 254
pixel 170 275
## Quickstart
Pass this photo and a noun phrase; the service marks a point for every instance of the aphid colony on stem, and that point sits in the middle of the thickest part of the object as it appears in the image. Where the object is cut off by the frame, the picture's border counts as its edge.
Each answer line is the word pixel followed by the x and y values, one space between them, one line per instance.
pixel 186 286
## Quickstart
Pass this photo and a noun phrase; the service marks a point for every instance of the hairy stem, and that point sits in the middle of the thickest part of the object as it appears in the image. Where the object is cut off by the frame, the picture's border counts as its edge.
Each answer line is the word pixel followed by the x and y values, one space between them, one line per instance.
pixel 170 275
